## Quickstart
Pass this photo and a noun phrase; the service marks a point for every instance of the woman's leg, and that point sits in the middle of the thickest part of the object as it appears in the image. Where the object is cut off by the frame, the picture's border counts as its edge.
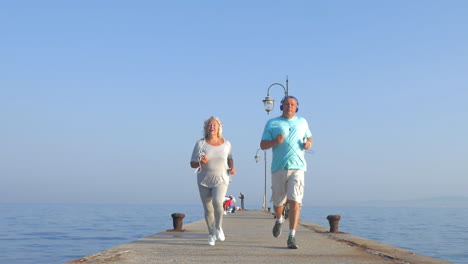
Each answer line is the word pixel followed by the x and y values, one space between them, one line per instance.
pixel 206 198
pixel 219 192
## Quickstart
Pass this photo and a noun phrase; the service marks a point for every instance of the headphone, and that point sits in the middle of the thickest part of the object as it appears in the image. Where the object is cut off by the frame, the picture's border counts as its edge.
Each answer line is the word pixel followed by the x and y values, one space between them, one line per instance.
pixel 286 97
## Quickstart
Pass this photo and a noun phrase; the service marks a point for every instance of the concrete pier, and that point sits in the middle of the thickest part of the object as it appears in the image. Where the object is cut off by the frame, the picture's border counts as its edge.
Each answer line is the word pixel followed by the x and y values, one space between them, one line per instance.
pixel 249 239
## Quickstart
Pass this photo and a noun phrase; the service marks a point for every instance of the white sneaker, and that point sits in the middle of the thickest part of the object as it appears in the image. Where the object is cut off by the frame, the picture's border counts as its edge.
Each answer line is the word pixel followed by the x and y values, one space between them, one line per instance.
pixel 211 240
pixel 220 235
pixel 225 213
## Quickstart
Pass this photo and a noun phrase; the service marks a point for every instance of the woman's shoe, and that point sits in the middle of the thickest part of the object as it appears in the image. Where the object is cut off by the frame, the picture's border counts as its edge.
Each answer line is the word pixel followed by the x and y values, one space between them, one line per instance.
pixel 211 240
pixel 220 235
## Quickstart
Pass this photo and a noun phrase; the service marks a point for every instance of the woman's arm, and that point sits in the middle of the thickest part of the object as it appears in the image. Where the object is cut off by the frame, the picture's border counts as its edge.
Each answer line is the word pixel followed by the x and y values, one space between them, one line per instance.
pixel 194 164
pixel 232 170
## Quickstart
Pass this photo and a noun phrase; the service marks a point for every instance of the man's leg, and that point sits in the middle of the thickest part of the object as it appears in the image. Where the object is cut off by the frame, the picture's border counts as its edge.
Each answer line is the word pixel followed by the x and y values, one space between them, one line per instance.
pixel 278 211
pixel 294 214
pixel 278 197
pixel 295 195
pixel 279 220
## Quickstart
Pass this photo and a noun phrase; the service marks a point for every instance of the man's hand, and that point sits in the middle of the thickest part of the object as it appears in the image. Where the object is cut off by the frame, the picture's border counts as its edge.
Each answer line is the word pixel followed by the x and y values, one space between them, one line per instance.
pixel 266 144
pixel 279 139
pixel 308 143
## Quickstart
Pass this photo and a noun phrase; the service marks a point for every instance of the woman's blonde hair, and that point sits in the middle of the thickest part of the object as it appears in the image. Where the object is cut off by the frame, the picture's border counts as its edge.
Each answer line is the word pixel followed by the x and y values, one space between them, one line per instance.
pixel 205 126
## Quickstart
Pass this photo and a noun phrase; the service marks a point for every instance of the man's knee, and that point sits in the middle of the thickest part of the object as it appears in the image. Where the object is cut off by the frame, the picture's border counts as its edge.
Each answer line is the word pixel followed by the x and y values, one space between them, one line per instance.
pixel 293 204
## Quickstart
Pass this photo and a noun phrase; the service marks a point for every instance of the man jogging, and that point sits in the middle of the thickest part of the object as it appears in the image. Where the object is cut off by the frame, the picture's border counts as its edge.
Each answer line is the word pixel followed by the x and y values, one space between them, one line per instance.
pixel 289 136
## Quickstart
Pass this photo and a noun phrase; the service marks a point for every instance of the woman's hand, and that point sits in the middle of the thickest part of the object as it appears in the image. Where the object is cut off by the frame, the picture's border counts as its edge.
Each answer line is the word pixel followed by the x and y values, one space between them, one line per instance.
pixel 201 162
pixel 204 159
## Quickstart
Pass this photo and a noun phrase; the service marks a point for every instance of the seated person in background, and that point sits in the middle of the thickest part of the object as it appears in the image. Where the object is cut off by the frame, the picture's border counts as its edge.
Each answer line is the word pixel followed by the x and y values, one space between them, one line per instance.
pixel 226 205
pixel 233 205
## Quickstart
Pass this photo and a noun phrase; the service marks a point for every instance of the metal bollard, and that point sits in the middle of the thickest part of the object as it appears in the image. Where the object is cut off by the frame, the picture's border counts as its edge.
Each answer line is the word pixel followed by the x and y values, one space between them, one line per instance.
pixel 333 220
pixel 177 219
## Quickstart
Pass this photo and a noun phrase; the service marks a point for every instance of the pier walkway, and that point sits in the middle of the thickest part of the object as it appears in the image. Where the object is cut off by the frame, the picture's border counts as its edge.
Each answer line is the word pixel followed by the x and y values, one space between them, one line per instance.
pixel 249 239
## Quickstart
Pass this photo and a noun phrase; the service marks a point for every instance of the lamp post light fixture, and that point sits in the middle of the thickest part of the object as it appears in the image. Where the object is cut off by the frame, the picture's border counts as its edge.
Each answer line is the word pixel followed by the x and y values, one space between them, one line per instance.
pixel 268 102
pixel 257 158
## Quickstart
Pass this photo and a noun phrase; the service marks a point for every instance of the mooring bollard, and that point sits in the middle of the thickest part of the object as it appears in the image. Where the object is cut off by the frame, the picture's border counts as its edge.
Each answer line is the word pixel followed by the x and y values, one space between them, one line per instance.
pixel 177 220
pixel 334 221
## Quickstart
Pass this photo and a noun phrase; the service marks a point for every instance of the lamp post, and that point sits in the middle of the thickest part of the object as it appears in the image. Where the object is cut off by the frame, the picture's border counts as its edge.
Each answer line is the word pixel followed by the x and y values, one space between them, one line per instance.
pixel 268 102
pixel 257 158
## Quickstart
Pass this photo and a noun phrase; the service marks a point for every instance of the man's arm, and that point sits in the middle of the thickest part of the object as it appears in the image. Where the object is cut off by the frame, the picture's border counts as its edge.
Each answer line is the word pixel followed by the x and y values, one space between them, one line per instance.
pixel 308 143
pixel 266 144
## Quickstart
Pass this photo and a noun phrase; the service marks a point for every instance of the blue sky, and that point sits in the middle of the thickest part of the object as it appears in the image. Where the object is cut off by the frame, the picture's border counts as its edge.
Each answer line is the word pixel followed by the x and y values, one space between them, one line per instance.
pixel 102 101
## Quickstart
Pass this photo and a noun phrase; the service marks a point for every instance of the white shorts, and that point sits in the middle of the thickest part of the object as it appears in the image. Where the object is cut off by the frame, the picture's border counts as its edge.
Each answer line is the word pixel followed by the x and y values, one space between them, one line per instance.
pixel 287 185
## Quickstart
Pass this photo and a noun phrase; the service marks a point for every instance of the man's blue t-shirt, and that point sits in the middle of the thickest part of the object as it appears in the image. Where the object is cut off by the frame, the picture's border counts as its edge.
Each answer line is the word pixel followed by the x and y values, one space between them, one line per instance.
pixel 289 154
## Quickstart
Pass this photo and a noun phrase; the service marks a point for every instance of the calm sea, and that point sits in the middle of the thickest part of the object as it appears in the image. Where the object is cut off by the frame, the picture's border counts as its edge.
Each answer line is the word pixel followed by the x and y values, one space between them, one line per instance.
pixel 57 233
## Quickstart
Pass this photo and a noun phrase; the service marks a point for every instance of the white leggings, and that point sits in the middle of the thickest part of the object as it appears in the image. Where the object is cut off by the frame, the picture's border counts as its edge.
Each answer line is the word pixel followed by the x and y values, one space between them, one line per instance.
pixel 212 199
